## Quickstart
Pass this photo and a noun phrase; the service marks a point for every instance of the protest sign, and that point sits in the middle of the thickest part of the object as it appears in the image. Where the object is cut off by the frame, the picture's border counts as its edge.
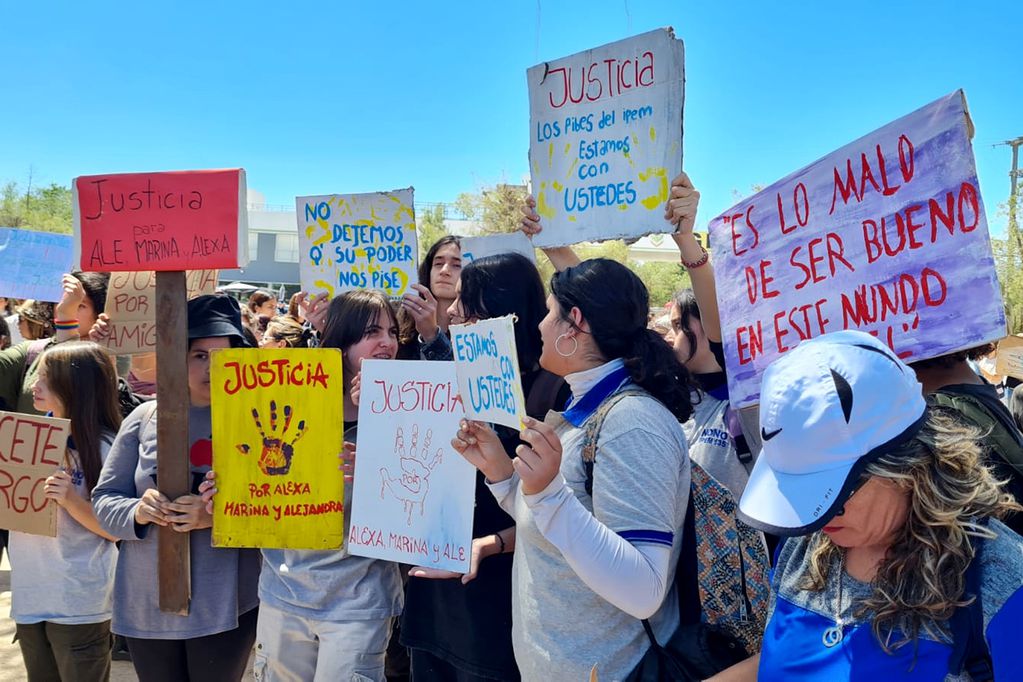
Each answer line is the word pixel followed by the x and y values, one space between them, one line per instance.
pixel 34 263
pixel 1009 360
pixel 131 307
pixel 487 366
pixel 31 450
pixel 606 138
pixel 474 248
pixel 887 235
pixel 413 494
pixel 357 241
pixel 167 221
pixel 277 433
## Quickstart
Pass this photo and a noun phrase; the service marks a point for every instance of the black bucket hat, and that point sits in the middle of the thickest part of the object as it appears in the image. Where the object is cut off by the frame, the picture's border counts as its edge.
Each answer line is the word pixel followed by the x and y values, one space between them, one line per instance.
pixel 216 315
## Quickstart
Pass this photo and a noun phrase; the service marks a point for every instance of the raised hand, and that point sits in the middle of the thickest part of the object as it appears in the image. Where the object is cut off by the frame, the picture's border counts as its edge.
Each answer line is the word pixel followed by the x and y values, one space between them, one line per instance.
pixel 479 444
pixel 422 306
pixel 538 462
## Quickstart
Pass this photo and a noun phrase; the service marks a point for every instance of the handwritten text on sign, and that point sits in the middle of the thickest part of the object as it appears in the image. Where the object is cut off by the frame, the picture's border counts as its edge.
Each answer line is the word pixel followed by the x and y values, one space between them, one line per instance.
pixel 413 496
pixel 131 308
pixel 606 138
pixel 488 371
pixel 277 430
pixel 887 235
pixel 161 221
pixel 33 263
pixel 474 248
pixel 357 241
pixel 31 450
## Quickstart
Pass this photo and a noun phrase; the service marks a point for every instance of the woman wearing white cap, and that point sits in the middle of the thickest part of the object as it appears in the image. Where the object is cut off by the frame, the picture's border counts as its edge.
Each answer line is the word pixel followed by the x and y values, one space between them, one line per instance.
pixel 895 566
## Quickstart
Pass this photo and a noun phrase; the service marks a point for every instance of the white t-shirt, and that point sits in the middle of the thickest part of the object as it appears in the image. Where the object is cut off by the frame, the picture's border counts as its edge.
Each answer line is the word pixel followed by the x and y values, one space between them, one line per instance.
pixel 67 579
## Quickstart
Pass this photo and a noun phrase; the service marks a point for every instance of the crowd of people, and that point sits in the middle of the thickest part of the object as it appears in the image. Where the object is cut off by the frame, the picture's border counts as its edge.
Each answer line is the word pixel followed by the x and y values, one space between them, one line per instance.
pixel 882 498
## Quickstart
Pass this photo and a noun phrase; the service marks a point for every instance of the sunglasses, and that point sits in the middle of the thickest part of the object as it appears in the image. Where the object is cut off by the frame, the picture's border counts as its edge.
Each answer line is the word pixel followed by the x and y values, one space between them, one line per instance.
pixel 852 491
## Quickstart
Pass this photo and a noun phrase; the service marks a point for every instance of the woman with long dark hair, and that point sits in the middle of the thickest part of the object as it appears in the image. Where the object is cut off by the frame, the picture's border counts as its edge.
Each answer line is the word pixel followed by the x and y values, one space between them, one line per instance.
pixel 461 629
pixel 424 311
pixel 599 492
pixel 62 586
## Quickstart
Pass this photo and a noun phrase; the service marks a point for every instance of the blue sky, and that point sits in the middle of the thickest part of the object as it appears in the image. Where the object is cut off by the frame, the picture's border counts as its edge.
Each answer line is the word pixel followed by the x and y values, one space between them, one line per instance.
pixel 314 98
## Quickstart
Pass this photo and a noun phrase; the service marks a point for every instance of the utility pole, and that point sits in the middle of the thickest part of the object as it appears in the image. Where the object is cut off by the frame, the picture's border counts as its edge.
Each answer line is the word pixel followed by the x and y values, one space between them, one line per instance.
pixel 1014 176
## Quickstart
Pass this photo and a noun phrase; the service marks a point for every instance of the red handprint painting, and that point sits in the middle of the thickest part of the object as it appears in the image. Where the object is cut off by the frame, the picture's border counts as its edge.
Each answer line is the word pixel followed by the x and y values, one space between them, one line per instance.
pixel 278 444
pixel 413 484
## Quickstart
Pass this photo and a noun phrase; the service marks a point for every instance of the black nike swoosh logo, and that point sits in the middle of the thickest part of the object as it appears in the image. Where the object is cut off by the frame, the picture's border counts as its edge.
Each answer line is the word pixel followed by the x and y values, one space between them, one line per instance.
pixel 768 436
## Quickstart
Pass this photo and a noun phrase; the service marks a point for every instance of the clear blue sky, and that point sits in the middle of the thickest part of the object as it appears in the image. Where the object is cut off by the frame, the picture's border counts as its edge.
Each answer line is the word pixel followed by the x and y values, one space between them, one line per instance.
pixel 362 96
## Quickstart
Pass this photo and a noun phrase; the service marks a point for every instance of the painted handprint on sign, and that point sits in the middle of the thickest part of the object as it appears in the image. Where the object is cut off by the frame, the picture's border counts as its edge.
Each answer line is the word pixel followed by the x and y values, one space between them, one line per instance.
pixel 278 446
pixel 416 464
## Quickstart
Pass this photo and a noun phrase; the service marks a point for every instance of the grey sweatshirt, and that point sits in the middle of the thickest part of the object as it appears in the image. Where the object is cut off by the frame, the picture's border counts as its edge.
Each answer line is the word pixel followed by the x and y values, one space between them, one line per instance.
pixel 224 581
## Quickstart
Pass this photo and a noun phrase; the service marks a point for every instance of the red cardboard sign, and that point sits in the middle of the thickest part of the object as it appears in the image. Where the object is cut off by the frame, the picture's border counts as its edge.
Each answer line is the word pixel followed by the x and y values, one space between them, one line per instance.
pixel 181 220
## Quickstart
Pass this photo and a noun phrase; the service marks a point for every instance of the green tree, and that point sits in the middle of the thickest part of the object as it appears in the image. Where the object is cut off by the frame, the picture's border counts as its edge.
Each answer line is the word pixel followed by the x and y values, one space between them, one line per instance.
pixel 662 280
pixel 429 228
pixel 495 209
pixel 42 208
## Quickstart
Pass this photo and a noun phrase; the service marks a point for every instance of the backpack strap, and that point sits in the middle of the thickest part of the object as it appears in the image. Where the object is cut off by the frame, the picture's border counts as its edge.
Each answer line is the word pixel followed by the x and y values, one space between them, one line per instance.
pixel 592 431
pixel 970 652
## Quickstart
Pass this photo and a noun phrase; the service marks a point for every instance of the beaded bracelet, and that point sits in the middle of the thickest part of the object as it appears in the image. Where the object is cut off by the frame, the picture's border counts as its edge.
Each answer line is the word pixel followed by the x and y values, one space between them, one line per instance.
pixel 702 261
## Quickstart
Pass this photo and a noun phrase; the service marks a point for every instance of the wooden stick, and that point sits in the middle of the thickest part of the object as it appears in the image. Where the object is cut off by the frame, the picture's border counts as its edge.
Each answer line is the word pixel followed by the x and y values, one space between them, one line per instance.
pixel 174 476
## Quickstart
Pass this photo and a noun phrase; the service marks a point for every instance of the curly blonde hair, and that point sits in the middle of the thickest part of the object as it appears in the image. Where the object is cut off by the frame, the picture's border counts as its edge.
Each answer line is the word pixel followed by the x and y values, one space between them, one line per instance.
pixel 920 582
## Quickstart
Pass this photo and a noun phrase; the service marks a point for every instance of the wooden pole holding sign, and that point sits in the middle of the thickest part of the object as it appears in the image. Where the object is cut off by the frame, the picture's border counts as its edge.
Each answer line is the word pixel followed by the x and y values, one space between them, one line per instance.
pixel 173 472
pixel 165 222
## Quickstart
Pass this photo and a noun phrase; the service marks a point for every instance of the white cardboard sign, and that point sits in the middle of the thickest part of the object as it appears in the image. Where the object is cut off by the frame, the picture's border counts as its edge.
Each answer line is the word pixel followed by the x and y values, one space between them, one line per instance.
pixel 357 241
pixel 487 365
pixel 606 138
pixel 413 495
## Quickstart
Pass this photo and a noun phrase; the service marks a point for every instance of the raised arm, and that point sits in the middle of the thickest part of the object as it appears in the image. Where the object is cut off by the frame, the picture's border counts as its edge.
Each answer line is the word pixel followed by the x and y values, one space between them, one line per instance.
pixel 562 257
pixel 680 211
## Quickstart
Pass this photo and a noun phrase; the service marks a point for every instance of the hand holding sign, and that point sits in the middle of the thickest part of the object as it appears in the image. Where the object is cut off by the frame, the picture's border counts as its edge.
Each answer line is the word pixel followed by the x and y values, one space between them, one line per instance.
pixel 680 210
pixel 58 487
pixel 538 462
pixel 481 447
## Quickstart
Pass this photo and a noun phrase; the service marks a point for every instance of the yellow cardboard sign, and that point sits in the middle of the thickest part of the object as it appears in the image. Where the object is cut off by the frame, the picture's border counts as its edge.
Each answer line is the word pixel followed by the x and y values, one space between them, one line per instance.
pixel 277 431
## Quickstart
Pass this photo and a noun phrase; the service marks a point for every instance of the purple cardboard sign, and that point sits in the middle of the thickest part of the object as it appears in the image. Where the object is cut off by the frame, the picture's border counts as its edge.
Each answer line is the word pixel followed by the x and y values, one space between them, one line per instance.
pixel 887 235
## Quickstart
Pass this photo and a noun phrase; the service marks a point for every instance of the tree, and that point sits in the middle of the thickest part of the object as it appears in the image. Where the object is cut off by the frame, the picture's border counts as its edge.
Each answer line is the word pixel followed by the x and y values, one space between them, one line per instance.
pixel 429 228
pixel 662 280
pixel 42 208
pixel 495 209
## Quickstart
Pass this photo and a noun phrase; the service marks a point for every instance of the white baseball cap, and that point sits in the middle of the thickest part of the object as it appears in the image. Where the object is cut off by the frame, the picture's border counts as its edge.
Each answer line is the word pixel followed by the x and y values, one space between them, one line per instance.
pixel 828 408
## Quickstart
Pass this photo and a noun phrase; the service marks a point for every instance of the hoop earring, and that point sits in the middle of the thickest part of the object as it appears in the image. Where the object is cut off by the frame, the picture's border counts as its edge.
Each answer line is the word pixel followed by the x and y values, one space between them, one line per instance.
pixel 557 345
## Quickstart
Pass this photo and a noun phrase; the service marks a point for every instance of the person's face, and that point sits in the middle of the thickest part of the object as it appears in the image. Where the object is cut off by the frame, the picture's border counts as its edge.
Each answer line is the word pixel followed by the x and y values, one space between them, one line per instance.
pixel 199 367
pixel 551 327
pixel 702 359
pixel 24 329
pixel 269 308
pixel 42 398
pixel 86 316
pixel 445 272
pixel 456 311
pixel 378 342
pixel 872 517
pixel 268 341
